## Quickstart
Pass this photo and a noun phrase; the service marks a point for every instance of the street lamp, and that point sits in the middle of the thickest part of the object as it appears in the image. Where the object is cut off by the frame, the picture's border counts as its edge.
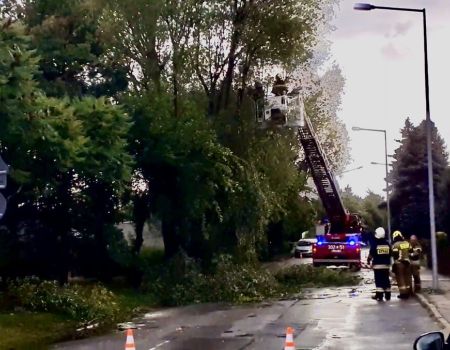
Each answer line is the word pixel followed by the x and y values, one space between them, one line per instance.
pixel 376 163
pixel 368 7
pixel 388 205
pixel 347 171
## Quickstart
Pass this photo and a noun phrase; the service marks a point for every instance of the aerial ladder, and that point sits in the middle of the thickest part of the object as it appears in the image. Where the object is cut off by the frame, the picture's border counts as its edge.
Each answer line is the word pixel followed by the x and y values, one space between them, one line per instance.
pixel 339 244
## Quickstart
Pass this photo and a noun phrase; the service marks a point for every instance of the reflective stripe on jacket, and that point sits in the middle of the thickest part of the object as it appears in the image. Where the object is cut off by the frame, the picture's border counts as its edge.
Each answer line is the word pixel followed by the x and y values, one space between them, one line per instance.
pixel 401 250
pixel 380 254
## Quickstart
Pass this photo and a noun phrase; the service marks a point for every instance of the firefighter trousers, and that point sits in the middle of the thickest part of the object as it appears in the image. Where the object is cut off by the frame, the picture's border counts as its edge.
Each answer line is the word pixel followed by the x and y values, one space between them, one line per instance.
pixel 382 283
pixel 415 271
pixel 402 271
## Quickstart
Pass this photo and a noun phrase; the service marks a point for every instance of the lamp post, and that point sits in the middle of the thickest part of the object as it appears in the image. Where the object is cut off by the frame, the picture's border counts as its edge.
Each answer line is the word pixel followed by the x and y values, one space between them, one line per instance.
pixel 388 205
pixel 369 7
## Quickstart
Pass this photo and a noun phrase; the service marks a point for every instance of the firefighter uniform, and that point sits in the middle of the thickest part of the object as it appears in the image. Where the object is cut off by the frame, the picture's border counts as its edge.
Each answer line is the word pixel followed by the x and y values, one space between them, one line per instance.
pixel 402 265
pixel 414 256
pixel 380 257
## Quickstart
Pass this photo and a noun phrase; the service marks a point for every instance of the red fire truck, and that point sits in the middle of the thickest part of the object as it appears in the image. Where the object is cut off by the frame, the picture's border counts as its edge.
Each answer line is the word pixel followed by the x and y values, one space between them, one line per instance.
pixel 340 243
pixel 338 248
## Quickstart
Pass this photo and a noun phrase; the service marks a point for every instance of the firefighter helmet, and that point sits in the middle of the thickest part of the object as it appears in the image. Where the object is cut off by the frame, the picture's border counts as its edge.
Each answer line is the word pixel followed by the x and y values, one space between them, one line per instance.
pixel 397 234
pixel 380 233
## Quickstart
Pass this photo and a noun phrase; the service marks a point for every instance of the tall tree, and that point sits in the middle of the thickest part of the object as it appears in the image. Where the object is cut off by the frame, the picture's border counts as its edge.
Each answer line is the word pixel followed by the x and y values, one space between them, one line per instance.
pixel 69 158
pixel 41 139
pixel 103 174
pixel 409 179
pixel 206 52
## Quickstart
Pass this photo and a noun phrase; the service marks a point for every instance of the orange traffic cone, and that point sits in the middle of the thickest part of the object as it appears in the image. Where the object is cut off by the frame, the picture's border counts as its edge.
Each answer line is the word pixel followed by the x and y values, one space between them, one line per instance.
pixel 289 343
pixel 129 345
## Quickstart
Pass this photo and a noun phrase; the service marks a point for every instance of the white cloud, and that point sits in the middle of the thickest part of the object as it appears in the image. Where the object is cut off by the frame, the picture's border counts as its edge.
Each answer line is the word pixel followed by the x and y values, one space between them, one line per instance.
pixel 390 51
pixel 402 28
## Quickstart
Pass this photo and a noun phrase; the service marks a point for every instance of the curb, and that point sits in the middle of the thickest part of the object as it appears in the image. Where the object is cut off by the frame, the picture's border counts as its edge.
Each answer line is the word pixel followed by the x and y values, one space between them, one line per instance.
pixel 434 311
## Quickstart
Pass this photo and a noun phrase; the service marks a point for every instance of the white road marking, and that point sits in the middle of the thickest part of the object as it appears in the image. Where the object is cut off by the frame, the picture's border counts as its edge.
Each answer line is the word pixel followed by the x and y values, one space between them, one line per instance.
pixel 159 345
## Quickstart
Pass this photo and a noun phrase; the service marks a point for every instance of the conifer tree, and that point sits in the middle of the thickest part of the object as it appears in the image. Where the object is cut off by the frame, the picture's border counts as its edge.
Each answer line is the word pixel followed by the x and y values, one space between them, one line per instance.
pixel 409 180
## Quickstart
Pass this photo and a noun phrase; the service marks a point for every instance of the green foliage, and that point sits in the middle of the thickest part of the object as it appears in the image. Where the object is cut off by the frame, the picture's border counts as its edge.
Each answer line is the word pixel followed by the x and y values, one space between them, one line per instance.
pixel 230 282
pixel 106 128
pixel 368 207
pixel 444 209
pixel 65 36
pixel 149 257
pixel 372 213
pixel 183 282
pixel 442 239
pixel 308 276
pixel 190 172
pixel 175 283
pixel 139 109
pixel 409 180
pixel 86 304
pixel 17 69
pixel 69 159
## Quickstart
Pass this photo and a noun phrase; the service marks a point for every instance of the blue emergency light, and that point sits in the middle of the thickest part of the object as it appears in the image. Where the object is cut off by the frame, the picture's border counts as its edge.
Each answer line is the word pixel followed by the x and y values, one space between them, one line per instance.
pixel 321 240
pixel 352 241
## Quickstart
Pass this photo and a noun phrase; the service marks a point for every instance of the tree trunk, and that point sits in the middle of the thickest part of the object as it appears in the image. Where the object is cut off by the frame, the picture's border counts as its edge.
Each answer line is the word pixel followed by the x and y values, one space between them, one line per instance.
pixel 243 84
pixel 101 207
pixel 62 227
pixel 239 19
pixel 170 239
pixel 224 93
pixel 141 213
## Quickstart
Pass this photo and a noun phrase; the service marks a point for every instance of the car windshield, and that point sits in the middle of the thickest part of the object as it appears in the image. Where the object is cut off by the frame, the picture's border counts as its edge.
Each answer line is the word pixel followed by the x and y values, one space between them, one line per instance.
pixel 303 244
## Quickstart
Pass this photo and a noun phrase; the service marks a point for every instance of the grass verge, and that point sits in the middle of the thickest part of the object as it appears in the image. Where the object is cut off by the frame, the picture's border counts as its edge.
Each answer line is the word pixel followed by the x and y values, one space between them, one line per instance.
pixel 38 330
pixel 33 330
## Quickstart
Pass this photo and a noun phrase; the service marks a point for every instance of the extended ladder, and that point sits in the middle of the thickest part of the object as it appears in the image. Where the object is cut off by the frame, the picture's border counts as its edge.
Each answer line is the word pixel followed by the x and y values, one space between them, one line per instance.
pixel 322 175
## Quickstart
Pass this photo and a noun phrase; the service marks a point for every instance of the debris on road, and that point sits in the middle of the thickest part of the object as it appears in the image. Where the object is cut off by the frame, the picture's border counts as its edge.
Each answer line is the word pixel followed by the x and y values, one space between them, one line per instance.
pixel 87 327
pixel 126 325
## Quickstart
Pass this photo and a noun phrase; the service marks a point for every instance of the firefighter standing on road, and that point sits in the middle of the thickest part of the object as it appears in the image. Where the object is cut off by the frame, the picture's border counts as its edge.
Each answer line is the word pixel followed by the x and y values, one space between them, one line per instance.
pixel 380 257
pixel 402 265
pixel 415 255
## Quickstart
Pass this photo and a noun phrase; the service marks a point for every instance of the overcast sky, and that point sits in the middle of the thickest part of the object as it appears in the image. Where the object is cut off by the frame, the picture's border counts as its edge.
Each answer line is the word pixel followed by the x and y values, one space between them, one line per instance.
pixel 381 56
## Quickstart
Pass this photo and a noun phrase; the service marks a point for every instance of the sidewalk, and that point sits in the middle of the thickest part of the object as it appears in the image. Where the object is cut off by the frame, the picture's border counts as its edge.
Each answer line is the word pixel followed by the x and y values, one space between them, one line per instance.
pixel 437 303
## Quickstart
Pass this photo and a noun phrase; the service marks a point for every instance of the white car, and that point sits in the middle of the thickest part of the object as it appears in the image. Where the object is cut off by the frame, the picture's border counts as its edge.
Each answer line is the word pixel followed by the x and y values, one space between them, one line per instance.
pixel 304 246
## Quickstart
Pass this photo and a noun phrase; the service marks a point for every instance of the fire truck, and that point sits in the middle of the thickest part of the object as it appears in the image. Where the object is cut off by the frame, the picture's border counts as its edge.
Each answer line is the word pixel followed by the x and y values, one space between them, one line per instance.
pixel 339 243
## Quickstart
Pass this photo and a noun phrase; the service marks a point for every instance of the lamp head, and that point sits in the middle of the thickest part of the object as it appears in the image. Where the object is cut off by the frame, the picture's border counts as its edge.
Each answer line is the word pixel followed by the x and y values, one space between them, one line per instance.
pixel 363 7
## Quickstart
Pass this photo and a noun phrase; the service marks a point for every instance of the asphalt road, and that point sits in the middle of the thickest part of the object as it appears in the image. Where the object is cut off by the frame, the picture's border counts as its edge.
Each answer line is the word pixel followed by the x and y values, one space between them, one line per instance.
pixel 335 318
